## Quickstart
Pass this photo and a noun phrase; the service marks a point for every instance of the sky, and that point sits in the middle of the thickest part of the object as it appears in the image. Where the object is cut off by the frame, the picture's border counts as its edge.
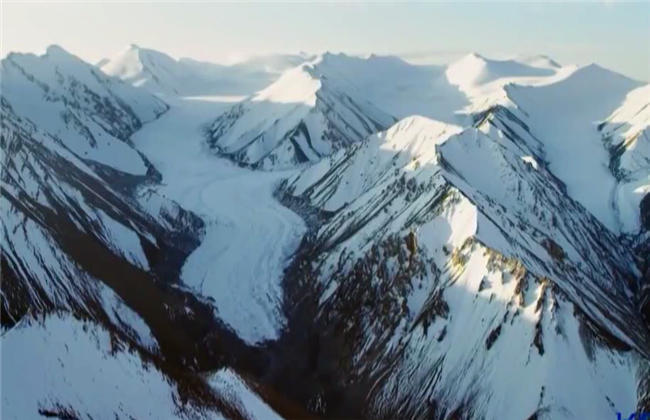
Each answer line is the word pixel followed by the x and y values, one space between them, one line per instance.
pixel 613 34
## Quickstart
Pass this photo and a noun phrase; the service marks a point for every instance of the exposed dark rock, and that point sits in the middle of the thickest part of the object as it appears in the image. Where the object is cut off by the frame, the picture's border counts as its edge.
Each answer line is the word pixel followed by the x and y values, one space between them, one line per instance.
pixel 492 337
pixel 644 210
pixel 538 339
pixel 554 250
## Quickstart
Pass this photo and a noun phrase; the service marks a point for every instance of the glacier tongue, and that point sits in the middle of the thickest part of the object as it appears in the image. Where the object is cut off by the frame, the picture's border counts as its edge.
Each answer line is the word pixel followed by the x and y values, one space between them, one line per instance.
pixel 249 236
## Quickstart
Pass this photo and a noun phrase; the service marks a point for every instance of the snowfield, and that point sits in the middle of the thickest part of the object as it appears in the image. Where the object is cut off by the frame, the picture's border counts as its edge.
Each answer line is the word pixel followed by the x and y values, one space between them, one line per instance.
pixel 249 236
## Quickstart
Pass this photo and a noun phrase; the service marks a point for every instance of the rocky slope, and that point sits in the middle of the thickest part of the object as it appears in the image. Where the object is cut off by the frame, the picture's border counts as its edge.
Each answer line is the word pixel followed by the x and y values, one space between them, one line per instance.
pixel 455 268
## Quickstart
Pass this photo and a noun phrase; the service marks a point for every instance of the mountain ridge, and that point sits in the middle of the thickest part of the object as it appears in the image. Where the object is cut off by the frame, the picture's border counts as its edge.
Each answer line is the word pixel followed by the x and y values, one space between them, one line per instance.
pixel 161 74
pixel 392 241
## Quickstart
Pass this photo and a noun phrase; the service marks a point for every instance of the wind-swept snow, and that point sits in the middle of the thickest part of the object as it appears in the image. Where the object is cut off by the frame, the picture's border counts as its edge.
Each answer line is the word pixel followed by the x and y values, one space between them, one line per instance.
pixel 249 235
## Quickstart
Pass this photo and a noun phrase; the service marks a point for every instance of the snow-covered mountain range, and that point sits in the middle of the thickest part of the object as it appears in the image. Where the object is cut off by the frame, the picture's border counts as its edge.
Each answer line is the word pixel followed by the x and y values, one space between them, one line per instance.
pixel 161 74
pixel 358 237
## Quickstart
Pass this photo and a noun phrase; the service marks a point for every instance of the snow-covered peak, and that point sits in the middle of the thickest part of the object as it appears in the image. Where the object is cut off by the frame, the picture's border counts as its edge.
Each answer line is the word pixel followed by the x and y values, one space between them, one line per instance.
pixel 311 111
pixel 267 63
pixel 57 51
pixel 483 80
pixel 453 266
pixel 474 69
pixel 595 73
pixel 54 65
pixel 513 261
pixel 356 68
pixel 409 145
pixel 341 99
pixel 539 61
pixel 564 115
pixel 297 86
pixel 418 136
pixel 141 66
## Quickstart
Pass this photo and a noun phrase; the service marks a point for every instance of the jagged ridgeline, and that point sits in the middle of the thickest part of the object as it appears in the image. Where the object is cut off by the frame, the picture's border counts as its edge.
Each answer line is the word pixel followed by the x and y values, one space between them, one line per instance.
pixel 467 241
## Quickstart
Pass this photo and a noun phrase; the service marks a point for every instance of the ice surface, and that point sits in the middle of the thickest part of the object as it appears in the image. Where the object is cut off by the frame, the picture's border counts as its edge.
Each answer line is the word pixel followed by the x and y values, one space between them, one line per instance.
pixel 249 235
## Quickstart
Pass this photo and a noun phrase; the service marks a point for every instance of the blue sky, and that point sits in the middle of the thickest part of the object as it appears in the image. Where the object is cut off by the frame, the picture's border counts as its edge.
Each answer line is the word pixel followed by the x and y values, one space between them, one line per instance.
pixel 613 34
